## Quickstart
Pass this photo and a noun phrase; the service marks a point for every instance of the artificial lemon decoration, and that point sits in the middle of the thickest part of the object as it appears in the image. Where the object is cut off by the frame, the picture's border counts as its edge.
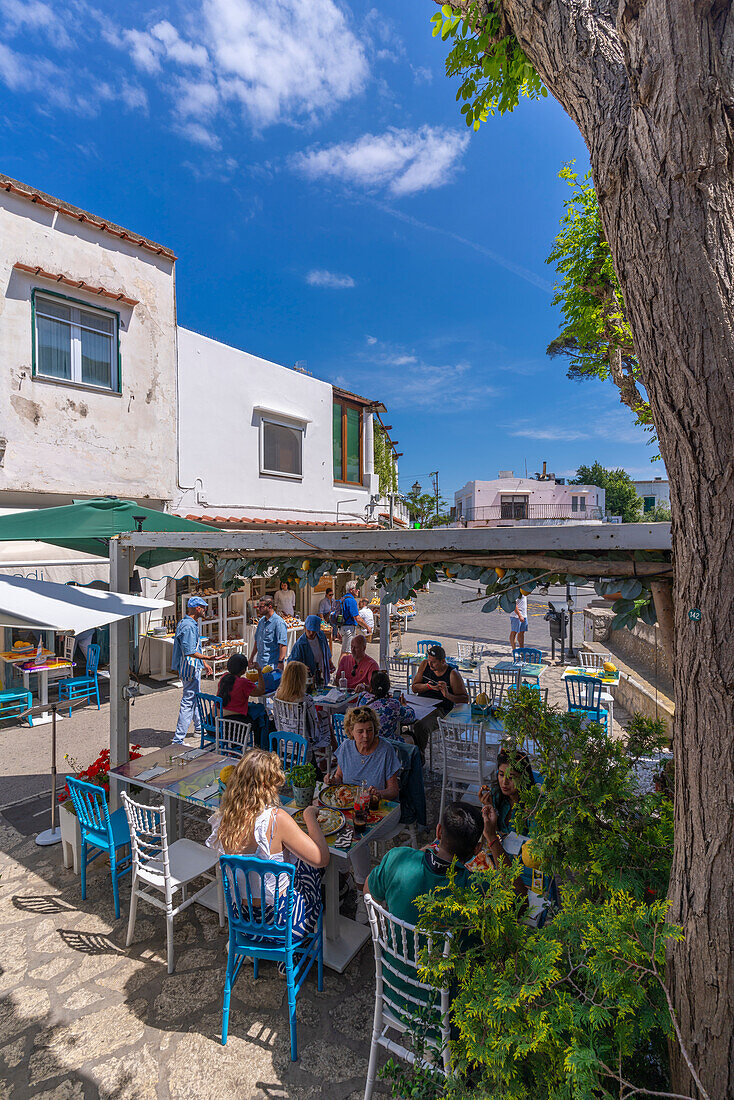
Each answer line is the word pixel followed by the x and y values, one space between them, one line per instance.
pixel 226 772
pixel 500 572
pixel 609 667
pixel 527 856
pixel 306 565
pixel 481 700
pixel 20 645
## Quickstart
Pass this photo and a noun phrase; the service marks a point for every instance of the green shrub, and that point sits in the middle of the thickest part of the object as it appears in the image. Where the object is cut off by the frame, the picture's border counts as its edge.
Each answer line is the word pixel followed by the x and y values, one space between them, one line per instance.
pixel 567 1010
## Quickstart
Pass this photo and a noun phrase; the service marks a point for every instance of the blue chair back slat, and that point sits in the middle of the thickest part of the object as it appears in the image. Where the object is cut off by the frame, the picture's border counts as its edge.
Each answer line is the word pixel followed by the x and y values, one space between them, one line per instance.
pixel 425 644
pixel 90 804
pixel 583 693
pixel 337 726
pixel 16 704
pixel 527 655
pixel 251 916
pixel 209 708
pixel 92 660
pixel 290 747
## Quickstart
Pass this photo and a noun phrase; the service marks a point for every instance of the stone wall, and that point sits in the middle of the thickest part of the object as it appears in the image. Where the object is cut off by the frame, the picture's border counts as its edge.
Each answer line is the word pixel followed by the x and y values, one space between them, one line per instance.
pixel 641 647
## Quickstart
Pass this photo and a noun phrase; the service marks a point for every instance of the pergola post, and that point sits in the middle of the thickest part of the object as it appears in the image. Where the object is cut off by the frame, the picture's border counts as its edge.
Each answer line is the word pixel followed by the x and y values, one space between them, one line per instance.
pixel 385 609
pixel 119 667
pixel 662 594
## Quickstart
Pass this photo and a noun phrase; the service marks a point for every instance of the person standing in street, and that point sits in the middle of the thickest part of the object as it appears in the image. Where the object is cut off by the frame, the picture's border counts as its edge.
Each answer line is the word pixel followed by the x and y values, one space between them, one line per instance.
pixel 187 660
pixel 350 614
pixel 365 619
pixel 519 623
pixel 271 638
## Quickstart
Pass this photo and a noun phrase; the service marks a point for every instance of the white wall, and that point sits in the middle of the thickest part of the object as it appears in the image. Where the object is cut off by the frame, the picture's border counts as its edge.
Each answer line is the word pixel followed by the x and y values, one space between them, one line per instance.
pixel 220 390
pixel 77 440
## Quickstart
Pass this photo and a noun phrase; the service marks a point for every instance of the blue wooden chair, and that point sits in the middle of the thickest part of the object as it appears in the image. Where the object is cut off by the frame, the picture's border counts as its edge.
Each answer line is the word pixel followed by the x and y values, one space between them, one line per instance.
pixel 337 728
pixel 425 644
pixel 83 687
pixel 208 708
pixel 266 932
pixel 290 747
pixel 583 694
pixel 527 656
pixel 16 704
pixel 101 831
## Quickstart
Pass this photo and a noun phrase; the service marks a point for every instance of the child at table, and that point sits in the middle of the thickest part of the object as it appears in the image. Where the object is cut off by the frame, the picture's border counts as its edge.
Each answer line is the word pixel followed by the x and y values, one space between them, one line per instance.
pixel 236 691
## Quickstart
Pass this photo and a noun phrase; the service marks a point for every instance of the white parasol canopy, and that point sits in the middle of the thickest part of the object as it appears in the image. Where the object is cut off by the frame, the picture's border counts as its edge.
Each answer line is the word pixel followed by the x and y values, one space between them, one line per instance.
pixel 49 606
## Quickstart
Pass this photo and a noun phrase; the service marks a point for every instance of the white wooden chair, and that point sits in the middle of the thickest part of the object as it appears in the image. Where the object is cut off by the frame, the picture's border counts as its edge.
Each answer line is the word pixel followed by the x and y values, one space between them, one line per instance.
pixel 401 1006
pixel 464 756
pixel 474 688
pixel 593 660
pixel 399 669
pixel 232 737
pixel 166 868
pixel 465 650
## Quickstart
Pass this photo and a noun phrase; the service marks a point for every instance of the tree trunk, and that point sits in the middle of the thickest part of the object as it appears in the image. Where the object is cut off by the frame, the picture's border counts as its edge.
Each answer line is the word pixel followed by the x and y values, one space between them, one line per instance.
pixel 650 84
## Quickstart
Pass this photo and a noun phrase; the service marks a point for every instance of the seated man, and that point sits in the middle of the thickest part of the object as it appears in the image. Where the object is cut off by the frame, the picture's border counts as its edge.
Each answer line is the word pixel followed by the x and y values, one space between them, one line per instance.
pixel 406 874
pixel 358 666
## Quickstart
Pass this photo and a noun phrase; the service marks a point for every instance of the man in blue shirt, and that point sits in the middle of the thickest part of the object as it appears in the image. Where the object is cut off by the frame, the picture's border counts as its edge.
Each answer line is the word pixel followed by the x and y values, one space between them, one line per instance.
pixel 187 660
pixel 350 612
pixel 271 638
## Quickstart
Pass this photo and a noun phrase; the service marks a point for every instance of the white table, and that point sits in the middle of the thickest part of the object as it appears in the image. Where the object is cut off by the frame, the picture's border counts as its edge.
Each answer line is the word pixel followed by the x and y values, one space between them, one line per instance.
pixel 162 651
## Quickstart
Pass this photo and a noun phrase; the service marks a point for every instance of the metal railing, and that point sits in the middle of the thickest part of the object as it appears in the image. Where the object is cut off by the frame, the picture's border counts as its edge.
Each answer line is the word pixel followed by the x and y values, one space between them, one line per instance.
pixel 519 512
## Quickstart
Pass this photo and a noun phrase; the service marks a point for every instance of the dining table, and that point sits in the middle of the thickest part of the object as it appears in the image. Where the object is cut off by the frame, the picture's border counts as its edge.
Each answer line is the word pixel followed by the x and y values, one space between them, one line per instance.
pixel 58 666
pixel 527 670
pixel 181 775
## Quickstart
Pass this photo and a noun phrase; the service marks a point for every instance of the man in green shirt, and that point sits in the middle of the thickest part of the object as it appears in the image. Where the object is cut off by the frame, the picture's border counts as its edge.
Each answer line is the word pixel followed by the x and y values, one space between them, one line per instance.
pixel 406 874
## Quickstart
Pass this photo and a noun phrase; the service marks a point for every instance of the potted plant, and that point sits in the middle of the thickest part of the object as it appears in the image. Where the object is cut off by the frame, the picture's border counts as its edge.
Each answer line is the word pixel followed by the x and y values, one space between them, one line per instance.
pixel 97 773
pixel 302 779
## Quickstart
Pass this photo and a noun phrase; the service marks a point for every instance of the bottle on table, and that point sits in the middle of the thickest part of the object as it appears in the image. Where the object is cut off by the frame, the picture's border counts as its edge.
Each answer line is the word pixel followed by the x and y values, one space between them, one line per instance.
pixel 361 806
pixel 342 682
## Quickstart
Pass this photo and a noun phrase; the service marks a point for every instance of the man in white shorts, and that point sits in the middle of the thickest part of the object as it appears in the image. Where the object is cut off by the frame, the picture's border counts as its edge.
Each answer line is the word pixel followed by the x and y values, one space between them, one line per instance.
pixel 519 623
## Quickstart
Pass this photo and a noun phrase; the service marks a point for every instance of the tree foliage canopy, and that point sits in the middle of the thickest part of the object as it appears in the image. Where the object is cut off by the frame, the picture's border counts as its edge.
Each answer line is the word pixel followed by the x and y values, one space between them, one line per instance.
pixel 621 495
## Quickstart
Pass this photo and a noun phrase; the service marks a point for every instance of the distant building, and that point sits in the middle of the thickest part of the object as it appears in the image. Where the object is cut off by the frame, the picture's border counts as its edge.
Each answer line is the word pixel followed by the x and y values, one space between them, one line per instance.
pixel 510 501
pixel 655 493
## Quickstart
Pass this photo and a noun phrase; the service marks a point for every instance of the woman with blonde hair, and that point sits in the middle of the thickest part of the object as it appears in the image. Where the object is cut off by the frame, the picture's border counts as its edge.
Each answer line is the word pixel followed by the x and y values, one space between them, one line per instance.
pixel 250 822
pixel 305 719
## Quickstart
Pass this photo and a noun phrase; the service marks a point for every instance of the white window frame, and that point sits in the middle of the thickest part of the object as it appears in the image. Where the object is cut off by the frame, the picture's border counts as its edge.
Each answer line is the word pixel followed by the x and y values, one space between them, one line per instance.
pixel 280 422
pixel 76 307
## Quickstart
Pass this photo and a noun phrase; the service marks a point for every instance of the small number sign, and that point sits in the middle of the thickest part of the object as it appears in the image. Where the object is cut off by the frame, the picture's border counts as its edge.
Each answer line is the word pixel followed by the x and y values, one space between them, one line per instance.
pixel 695 614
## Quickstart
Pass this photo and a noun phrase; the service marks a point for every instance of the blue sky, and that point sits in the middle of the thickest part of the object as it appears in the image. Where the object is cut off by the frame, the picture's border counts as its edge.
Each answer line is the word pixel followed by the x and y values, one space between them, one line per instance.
pixel 307 162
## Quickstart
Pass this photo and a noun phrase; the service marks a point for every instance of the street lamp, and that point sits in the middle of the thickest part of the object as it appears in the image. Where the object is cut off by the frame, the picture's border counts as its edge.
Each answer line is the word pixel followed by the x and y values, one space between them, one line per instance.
pixel 416 487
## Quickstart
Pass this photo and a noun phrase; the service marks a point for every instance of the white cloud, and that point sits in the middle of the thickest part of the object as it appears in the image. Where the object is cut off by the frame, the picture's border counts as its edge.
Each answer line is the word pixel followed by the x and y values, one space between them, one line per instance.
pixel 371 339
pixel 401 161
pixel 419 383
pixel 563 435
pixel 199 134
pixel 329 279
pixel 33 15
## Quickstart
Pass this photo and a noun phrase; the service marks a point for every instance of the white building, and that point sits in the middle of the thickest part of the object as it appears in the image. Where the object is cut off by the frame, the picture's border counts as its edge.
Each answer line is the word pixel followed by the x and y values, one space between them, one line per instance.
pixel 510 501
pixel 655 493
pixel 259 441
pixel 88 377
pixel 102 394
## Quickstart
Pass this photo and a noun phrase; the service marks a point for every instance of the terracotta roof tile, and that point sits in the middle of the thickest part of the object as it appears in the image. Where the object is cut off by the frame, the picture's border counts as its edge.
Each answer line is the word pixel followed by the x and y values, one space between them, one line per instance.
pixel 244 521
pixel 78 284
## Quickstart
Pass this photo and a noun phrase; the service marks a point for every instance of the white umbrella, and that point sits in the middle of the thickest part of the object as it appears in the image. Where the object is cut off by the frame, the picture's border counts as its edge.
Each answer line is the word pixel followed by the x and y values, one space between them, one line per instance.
pixel 70 610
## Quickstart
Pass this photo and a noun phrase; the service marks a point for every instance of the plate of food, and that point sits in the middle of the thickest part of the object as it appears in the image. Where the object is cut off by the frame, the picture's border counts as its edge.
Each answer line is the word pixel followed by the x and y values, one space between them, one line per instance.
pixel 339 797
pixel 331 821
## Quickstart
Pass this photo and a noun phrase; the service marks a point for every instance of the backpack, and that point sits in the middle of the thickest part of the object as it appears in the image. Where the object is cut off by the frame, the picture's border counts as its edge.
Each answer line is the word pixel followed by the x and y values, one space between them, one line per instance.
pixel 336 618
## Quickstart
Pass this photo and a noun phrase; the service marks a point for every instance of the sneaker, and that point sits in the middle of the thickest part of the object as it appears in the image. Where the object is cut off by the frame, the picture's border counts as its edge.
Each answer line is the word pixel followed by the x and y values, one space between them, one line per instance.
pixel 360 914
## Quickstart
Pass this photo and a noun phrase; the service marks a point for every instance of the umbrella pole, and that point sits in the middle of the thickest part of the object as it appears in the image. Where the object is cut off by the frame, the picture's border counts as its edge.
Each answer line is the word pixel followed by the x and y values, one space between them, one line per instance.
pixel 52 835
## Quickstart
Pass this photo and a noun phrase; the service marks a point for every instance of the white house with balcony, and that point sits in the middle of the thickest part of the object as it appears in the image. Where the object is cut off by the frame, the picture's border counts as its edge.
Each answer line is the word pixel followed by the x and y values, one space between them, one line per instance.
pixel 87 368
pixel 511 501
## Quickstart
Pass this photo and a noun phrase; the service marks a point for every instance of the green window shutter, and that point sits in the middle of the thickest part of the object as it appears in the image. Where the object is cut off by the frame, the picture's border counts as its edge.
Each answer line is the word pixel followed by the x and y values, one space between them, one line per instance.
pixel 337 442
pixel 354 473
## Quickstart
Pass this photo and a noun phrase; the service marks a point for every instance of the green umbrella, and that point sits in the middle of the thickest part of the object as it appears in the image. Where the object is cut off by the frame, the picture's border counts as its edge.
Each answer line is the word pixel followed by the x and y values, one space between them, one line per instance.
pixel 88 526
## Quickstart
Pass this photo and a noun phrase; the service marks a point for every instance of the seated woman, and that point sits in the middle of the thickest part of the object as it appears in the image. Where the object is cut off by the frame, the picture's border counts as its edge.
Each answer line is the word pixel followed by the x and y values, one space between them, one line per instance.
pixel 392 713
pixel 235 691
pixel 366 758
pixel 514 775
pixel 312 650
pixel 436 679
pixel 249 822
pixel 306 721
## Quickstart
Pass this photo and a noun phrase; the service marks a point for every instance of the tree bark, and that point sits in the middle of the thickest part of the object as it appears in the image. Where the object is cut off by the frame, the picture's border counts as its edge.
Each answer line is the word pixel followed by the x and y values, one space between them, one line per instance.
pixel 650 84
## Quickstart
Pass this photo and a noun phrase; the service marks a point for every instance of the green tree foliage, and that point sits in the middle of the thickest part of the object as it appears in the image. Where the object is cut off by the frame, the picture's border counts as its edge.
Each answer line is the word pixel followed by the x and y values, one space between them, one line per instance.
pixel 596 336
pixel 621 495
pixel 492 68
pixel 573 1009
pixel 422 507
pixel 385 466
